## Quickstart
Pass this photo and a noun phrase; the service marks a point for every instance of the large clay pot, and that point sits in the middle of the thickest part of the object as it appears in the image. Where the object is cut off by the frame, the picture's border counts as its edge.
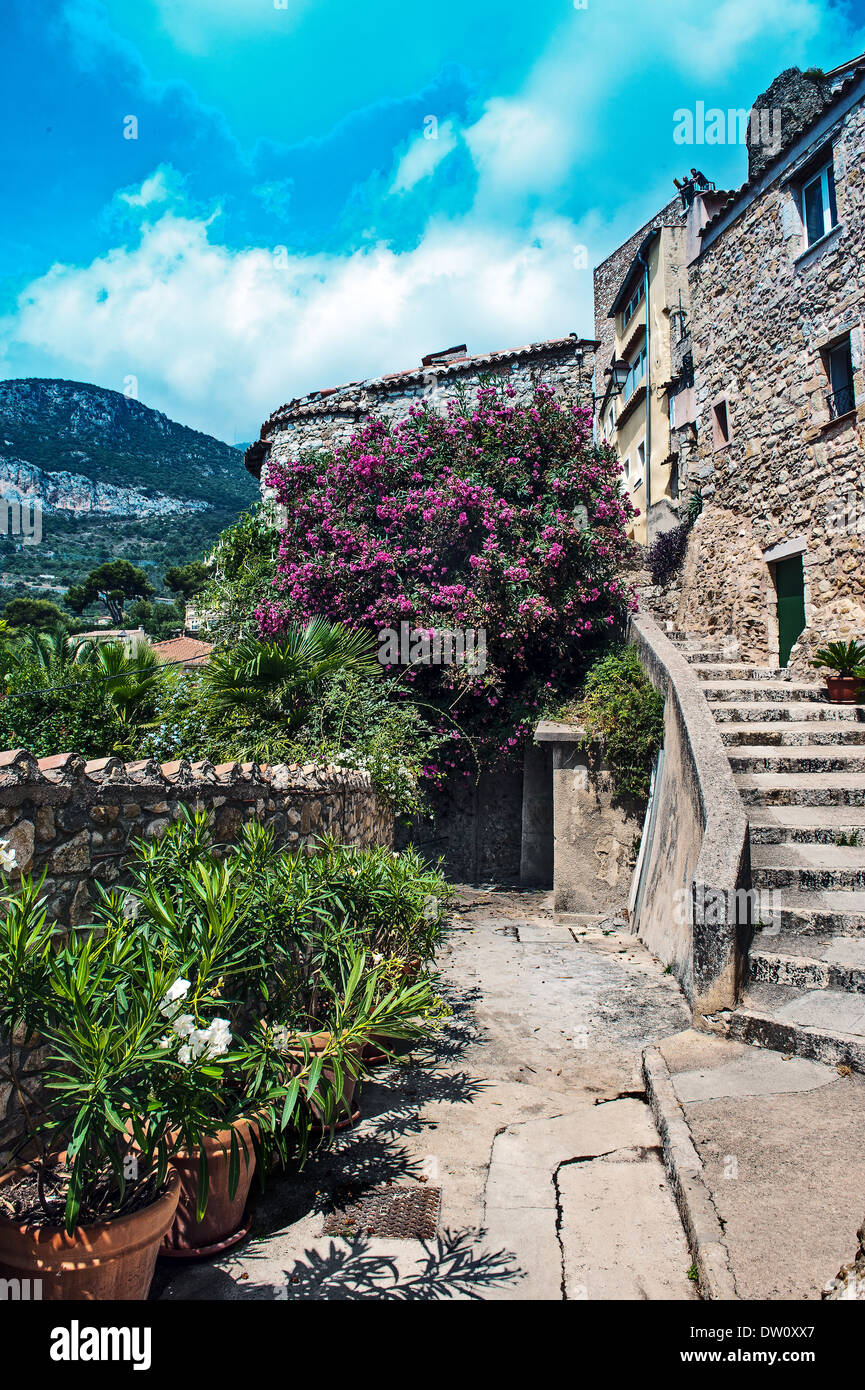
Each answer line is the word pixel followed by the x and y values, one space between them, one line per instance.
pixel 108 1260
pixel 844 690
pixel 347 1110
pixel 224 1222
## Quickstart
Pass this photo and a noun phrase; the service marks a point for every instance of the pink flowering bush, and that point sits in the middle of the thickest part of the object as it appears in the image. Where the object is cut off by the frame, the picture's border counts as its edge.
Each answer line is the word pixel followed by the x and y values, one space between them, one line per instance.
pixel 495 515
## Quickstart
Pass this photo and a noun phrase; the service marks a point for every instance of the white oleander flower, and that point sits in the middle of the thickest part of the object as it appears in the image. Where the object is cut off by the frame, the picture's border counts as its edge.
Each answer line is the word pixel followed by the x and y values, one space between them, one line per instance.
pixel 184 1025
pixel 430 909
pixel 184 1054
pixel 171 1003
pixel 7 857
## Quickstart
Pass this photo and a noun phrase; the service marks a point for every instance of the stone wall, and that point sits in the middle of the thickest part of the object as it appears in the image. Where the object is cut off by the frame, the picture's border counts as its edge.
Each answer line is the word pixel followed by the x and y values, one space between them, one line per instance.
pixel 76 820
pixel 692 906
pixel 765 310
pixel 327 419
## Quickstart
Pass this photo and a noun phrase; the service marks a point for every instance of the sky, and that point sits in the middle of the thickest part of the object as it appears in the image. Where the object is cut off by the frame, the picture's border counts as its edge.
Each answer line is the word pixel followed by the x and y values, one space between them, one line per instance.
pixel 218 205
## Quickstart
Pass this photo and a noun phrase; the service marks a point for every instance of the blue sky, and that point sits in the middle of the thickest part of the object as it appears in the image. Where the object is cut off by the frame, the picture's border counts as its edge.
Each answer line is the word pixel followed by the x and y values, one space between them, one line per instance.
pixel 282 219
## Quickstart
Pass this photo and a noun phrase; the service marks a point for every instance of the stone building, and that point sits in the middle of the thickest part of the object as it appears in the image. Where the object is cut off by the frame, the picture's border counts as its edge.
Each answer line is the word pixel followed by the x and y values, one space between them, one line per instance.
pixel 771 431
pixel 327 419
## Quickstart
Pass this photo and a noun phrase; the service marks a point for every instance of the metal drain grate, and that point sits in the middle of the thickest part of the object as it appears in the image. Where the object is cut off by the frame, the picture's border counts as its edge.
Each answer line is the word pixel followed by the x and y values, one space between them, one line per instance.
pixel 401 1213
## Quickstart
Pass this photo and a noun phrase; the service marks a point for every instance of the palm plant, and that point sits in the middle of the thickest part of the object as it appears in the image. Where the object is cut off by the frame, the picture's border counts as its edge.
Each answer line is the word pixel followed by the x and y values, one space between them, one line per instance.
pixel 273 682
pixel 843 658
pixel 131 683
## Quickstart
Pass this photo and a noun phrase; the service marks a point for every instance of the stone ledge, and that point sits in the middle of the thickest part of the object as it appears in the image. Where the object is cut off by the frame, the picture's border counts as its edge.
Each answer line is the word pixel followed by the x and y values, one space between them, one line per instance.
pixel 553 731
pixel 682 1162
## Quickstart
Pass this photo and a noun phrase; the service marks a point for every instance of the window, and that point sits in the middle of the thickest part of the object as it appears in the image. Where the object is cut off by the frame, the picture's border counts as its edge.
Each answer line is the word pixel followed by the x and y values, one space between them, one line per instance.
pixel 641 457
pixel 636 372
pixel 839 369
pixel 632 305
pixel 819 212
pixel 627 468
pixel 720 425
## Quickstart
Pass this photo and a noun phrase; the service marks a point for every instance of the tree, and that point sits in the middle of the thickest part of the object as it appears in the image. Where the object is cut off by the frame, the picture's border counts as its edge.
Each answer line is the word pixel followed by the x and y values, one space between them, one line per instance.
pixel 112 583
pixel 494 516
pixel 131 684
pixel 36 613
pixel 186 580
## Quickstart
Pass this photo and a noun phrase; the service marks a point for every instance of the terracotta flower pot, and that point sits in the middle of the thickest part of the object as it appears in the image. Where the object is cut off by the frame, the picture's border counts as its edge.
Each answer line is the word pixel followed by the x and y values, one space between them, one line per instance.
pixel 345 1106
pixel 108 1260
pixel 843 690
pixel 224 1222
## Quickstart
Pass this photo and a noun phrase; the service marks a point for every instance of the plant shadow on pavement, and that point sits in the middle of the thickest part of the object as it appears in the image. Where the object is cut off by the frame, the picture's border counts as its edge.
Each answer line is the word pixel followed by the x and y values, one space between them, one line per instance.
pixel 449 1266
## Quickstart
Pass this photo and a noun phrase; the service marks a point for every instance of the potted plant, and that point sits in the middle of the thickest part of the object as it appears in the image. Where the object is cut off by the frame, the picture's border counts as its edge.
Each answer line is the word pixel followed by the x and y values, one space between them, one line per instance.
pixel 844 663
pixel 86 1214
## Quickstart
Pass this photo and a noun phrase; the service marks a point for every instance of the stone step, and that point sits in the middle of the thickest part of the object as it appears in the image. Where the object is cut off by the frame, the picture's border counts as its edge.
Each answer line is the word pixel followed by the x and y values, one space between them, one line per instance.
pixel 738 671
pixel 826 1025
pixel 808 963
pixel 780 825
pixel 762 758
pixel 801 789
pixel 771 690
pixel 710 657
pixel 788 712
pixel 793 735
pixel 828 913
pixel 808 868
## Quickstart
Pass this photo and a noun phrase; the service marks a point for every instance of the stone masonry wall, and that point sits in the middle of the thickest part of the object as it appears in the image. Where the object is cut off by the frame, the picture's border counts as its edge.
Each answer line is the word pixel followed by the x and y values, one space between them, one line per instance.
pixel 329 422
pixel 763 313
pixel 76 820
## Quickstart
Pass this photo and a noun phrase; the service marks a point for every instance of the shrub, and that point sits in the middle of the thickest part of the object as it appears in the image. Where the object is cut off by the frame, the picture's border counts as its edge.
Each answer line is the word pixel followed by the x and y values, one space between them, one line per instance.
pixel 492 516
pixel 667 553
pixel 624 714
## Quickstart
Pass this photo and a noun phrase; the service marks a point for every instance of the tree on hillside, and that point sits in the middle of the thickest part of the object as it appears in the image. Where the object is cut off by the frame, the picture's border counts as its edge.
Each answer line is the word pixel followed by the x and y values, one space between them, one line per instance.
pixel 186 580
pixel 112 584
pixel 36 613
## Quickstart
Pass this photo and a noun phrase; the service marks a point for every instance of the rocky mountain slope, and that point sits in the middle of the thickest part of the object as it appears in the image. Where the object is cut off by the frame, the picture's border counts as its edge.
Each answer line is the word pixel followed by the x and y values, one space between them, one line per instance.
pixel 113 478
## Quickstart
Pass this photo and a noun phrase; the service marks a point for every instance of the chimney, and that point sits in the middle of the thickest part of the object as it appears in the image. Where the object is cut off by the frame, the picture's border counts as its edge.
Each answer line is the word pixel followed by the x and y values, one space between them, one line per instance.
pixel 778 115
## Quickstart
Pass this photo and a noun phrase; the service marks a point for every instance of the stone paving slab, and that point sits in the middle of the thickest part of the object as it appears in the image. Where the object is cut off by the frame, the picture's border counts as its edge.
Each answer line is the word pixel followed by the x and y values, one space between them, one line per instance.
pixel 779 1143
pixel 538 1067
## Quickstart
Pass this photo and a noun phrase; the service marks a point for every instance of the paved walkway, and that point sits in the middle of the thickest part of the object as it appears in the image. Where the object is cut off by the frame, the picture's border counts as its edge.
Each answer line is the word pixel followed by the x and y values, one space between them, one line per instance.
pixel 529 1115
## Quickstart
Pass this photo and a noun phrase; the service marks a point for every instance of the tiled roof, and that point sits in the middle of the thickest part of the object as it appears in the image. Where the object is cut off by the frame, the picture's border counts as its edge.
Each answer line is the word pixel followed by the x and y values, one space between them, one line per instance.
pixel 186 649
pixel 833 99
pixel 321 402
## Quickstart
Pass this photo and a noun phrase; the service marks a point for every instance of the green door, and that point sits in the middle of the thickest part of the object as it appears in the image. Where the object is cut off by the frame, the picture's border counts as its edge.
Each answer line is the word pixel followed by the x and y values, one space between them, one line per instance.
pixel 790 584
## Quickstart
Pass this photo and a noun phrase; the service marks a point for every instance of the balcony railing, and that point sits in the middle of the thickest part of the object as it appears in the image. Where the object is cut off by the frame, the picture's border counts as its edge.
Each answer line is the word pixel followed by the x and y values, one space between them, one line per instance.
pixel 841 402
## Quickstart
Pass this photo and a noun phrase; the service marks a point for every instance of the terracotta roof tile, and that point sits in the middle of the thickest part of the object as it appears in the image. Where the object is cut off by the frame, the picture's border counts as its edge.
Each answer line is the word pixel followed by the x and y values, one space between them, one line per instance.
pixel 186 649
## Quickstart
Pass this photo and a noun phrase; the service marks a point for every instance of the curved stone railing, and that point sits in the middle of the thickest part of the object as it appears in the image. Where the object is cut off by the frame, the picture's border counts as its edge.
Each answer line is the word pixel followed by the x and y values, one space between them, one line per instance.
pixel 694 908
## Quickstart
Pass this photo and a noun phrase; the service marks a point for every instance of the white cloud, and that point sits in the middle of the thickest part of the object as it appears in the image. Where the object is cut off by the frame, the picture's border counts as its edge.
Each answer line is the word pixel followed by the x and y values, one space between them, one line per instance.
pixel 520 145
pixel 161 186
pixel 201 26
pixel 219 338
pixel 424 155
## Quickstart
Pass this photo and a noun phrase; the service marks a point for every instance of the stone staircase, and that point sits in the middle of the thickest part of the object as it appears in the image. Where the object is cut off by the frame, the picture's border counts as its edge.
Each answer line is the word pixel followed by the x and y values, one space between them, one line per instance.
pixel 799 764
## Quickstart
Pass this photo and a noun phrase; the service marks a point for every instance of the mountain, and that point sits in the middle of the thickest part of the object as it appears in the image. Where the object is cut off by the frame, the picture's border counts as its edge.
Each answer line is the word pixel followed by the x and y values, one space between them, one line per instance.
pixel 114 478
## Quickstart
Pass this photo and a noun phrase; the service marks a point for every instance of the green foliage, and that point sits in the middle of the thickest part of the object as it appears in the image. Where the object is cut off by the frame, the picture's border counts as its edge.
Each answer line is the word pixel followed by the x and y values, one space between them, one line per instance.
pixel 217 987
pixel 274 681
pixel 34 613
pixel 62 694
pixel 241 574
pixel 843 658
pixel 624 714
pixel 112 583
pixel 186 580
